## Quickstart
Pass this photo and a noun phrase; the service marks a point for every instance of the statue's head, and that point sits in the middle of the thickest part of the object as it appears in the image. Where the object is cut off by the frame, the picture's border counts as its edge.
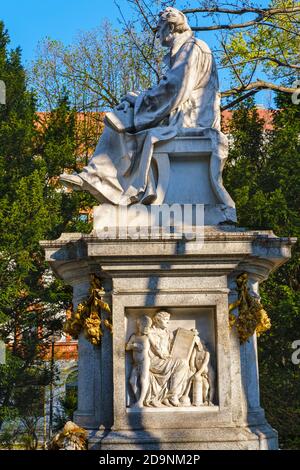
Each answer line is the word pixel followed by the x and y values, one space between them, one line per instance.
pixel 161 319
pixel 143 324
pixel 171 23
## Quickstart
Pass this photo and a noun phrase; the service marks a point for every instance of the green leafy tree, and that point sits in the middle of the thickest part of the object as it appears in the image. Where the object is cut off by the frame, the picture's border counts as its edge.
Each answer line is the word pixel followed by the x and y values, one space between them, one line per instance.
pixel 256 45
pixel 96 70
pixel 32 207
pixel 68 405
pixel 262 174
pixel 246 158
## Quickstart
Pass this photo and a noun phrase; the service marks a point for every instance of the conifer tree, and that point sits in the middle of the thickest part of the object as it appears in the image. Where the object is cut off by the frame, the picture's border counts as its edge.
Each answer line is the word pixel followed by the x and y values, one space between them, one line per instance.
pixel 262 175
pixel 279 377
pixel 32 301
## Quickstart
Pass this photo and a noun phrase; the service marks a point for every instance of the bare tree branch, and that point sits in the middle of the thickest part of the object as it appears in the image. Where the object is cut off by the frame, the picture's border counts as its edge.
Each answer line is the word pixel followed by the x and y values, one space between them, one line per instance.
pixel 276 26
pixel 262 14
pixel 259 85
pixel 242 11
pixel 142 6
pixel 239 99
pixel 280 63
pixel 232 64
pixel 128 29
pixel 217 27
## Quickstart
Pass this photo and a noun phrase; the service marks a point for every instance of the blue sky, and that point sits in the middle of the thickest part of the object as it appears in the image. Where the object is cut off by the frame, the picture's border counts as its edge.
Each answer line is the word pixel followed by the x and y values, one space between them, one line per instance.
pixel 28 21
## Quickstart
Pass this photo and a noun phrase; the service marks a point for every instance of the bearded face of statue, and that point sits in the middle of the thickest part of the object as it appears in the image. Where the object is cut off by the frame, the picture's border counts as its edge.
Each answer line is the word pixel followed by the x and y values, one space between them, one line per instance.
pixel 164 32
pixel 162 321
pixel 171 23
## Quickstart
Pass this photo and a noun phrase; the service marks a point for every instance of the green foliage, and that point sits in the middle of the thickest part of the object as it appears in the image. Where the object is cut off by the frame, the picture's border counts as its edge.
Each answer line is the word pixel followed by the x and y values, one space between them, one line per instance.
pixel 16 118
pixel 262 175
pixel 57 142
pixel 256 51
pixel 96 70
pixel 32 207
pixel 68 405
pixel 279 378
pixel 8 436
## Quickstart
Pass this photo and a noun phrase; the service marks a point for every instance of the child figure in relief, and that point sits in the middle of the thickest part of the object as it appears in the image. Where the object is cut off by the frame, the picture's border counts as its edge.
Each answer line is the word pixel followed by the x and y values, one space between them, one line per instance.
pixel 139 344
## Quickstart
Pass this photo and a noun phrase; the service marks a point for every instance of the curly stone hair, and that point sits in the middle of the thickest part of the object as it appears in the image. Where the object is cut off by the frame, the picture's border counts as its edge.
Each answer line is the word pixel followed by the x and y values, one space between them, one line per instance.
pixel 161 314
pixel 175 18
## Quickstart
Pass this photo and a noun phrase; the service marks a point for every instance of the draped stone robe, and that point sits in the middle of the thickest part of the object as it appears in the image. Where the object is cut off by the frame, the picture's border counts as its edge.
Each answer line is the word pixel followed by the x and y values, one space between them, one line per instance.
pixel 120 170
pixel 168 376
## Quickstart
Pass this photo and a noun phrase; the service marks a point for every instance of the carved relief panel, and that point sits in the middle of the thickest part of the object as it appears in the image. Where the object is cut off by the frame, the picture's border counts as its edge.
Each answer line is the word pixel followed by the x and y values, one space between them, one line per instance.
pixel 170 359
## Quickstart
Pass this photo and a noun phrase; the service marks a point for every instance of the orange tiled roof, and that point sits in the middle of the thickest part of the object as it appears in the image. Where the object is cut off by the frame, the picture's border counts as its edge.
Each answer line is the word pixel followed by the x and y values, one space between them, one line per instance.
pixel 43 116
pixel 266 115
pixel 63 351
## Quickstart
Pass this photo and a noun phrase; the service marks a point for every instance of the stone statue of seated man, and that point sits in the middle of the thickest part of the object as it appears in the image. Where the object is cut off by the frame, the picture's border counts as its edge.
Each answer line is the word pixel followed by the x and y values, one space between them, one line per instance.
pixel 121 170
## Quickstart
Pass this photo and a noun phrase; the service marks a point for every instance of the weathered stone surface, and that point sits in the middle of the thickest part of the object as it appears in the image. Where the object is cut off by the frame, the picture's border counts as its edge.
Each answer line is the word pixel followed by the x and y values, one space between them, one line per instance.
pixel 173 155
pixel 211 438
pixel 165 145
pixel 194 282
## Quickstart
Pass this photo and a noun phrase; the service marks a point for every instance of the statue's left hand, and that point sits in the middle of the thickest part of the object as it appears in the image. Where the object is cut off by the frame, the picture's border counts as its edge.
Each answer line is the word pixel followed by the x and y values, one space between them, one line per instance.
pixel 130 98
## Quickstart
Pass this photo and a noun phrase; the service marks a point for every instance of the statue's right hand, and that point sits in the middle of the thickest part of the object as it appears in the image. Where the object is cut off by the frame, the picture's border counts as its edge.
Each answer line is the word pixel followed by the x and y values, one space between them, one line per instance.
pixel 130 97
pixel 123 106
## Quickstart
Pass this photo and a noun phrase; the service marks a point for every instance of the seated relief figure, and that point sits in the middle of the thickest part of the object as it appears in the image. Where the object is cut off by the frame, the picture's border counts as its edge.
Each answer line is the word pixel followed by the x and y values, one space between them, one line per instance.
pixel 121 170
pixel 165 378
pixel 200 382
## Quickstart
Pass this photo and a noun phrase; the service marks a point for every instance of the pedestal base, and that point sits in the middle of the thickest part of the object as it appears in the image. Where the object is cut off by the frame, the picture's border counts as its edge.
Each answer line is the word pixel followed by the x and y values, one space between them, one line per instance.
pixel 194 281
pixel 218 438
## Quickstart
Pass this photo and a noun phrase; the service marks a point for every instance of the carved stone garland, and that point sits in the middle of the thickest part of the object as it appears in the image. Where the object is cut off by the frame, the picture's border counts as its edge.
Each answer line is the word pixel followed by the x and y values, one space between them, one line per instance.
pixel 88 315
pixel 251 316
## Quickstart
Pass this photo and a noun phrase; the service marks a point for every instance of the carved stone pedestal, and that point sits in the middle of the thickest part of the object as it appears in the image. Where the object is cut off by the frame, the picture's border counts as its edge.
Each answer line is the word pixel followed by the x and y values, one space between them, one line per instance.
pixel 194 281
